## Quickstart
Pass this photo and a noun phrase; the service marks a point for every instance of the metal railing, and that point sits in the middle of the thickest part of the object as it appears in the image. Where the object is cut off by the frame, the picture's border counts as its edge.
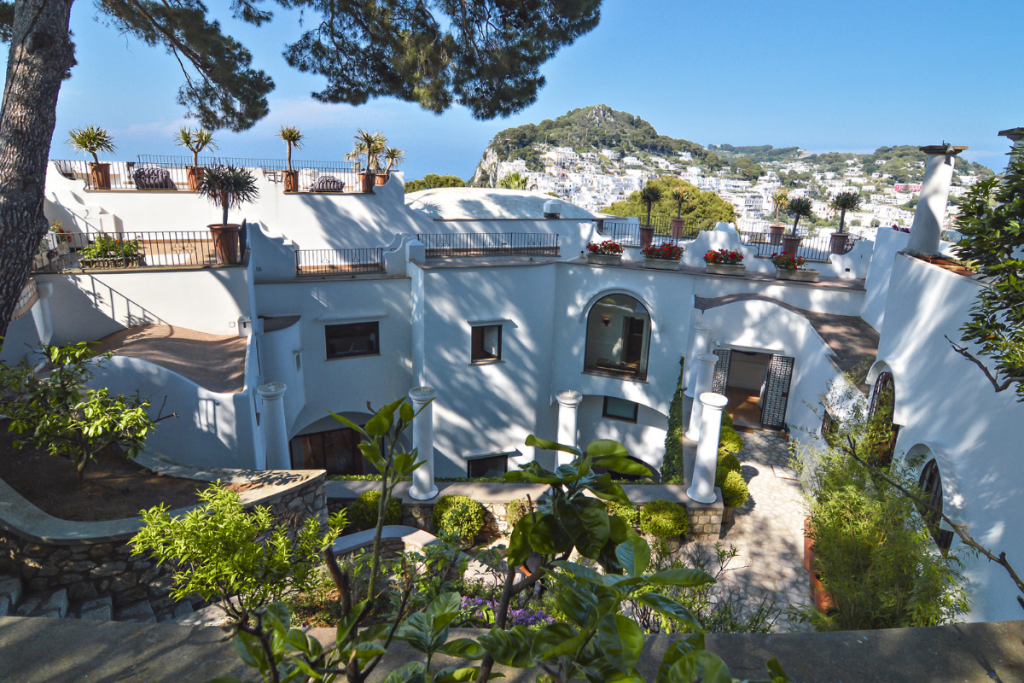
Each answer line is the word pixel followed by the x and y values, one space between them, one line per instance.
pixel 168 172
pixel 812 247
pixel 449 245
pixel 628 234
pixel 339 261
pixel 96 250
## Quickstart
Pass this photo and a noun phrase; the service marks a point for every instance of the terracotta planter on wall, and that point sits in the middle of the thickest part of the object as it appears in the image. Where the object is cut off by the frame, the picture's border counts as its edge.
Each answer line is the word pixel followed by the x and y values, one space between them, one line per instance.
pixel 382 179
pixel 367 181
pixel 99 176
pixel 225 242
pixel 791 244
pixel 646 236
pixel 678 225
pixel 775 233
pixel 194 173
pixel 291 181
pixel 837 244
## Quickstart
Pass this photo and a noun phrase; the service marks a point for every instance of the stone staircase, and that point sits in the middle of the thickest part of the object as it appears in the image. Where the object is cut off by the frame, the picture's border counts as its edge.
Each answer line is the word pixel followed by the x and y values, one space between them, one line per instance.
pixel 15 602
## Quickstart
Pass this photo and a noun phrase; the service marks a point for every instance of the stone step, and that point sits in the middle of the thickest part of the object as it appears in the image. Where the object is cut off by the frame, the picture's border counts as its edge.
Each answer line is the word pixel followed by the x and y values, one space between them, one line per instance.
pixel 139 612
pixel 50 605
pixel 100 609
pixel 11 590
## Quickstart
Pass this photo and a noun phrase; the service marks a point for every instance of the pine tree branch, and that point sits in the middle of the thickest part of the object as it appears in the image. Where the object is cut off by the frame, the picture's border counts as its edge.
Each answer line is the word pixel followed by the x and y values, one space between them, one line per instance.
pixel 962 350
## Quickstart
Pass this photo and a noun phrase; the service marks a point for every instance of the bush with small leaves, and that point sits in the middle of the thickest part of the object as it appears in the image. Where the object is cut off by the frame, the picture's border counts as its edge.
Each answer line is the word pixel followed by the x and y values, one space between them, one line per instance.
pixel 664 519
pixel 734 490
pixel 728 462
pixel 730 441
pixel 628 513
pixel 726 420
pixel 517 509
pixel 460 516
pixel 362 512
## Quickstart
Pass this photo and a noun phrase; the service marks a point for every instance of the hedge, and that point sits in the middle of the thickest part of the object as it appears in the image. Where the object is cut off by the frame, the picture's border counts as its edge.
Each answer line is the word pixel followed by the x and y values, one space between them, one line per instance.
pixel 460 516
pixel 629 514
pixel 730 441
pixel 362 512
pixel 664 519
pixel 734 490
pixel 672 465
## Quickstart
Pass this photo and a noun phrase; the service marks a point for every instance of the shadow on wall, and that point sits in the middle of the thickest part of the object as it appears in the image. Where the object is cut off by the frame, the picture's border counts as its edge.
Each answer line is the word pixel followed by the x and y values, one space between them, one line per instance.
pixel 87 309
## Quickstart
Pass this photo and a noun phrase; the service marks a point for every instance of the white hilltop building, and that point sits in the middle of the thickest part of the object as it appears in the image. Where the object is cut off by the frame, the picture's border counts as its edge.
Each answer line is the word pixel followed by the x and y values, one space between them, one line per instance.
pixel 335 300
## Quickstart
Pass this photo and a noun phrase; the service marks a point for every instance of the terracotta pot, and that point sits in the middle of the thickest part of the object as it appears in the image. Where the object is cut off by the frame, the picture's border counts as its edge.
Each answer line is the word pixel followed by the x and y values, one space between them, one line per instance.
pixel 798 275
pixel 291 181
pixel 225 241
pixel 646 236
pixel 367 181
pixel 775 233
pixel 194 173
pixel 661 263
pixel 382 179
pixel 791 244
pixel 605 259
pixel 99 176
pixel 821 597
pixel 837 245
pixel 678 225
pixel 808 545
pixel 724 268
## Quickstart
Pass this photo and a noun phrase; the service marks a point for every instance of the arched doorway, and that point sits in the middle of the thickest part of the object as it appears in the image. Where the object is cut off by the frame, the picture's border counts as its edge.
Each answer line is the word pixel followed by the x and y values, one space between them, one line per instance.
pixel 884 431
pixel 931 490
pixel 618 337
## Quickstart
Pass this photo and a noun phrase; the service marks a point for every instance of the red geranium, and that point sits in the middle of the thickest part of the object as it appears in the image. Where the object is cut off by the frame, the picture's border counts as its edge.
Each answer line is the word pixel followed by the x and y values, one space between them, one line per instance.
pixel 665 250
pixel 787 261
pixel 726 257
pixel 608 248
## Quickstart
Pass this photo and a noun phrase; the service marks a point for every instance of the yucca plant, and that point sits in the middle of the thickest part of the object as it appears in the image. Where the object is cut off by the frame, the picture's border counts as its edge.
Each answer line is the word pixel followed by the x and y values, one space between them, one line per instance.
pixel 650 196
pixel 195 141
pixel 394 157
pixel 679 196
pixel 293 138
pixel 370 145
pixel 800 207
pixel 91 140
pixel 513 181
pixel 843 202
pixel 780 200
pixel 228 187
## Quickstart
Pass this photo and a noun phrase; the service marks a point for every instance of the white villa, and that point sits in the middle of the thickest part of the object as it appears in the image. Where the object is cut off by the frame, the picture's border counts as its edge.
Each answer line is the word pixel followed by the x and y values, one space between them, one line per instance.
pixel 341 301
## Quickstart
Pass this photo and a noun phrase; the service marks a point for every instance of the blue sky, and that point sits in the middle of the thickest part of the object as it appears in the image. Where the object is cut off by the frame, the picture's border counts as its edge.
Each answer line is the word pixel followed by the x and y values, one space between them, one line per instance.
pixel 825 76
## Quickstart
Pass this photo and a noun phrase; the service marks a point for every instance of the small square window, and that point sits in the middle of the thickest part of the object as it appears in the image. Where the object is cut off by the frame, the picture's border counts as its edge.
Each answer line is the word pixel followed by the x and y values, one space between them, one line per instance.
pixel 492 466
pixel 486 344
pixel 355 339
pixel 620 409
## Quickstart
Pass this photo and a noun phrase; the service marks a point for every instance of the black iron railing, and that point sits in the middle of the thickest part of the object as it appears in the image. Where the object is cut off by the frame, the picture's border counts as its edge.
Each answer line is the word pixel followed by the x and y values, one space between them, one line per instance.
pixel 490 244
pixel 338 261
pixel 628 234
pixel 812 247
pixel 96 250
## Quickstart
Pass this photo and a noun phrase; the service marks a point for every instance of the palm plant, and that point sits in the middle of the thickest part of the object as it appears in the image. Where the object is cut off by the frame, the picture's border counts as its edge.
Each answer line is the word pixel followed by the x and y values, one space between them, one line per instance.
pixel 780 200
pixel 293 138
pixel 843 202
pixel 91 140
pixel 650 195
pixel 800 207
pixel 195 142
pixel 228 187
pixel 370 145
pixel 394 157
pixel 513 181
pixel 679 195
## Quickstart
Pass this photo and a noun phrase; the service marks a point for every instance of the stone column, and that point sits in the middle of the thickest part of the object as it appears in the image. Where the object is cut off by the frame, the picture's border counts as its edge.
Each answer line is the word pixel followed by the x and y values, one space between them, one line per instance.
pixel 274 426
pixel 423 487
pixel 41 315
pixel 701 344
pixel 702 489
pixel 931 206
pixel 705 379
pixel 568 404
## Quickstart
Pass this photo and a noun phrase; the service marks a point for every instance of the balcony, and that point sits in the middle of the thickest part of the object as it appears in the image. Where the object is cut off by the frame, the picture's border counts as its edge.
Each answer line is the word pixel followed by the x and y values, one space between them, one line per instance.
pixel 449 245
pixel 321 262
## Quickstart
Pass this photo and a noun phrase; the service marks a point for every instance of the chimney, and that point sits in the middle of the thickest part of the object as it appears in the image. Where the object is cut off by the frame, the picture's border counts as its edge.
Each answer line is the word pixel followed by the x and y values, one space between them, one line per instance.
pixel 931 206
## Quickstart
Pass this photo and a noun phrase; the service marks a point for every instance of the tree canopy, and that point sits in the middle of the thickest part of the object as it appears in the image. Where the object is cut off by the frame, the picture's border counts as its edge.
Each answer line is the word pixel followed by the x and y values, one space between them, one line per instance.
pixel 700 206
pixel 432 180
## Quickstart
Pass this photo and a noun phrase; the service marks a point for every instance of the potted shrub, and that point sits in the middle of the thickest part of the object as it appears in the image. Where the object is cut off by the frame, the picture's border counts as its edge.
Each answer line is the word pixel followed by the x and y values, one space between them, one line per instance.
pixel 843 202
pixel 93 140
pixel 227 187
pixel 369 145
pixel 607 252
pixel 194 142
pixel 679 195
pixel 111 252
pixel 649 196
pixel 292 137
pixel 664 256
pixel 724 262
pixel 791 267
pixel 394 158
pixel 800 207
pixel 780 200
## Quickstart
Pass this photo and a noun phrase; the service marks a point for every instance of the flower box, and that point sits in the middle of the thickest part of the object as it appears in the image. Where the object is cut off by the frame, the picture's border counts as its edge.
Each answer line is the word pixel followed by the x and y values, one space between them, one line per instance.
pixel 724 268
pixel 661 263
pixel 605 259
pixel 798 275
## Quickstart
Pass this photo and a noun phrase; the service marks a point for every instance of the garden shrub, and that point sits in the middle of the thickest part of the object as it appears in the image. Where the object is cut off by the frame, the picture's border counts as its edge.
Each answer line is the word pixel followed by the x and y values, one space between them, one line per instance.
pixel 729 462
pixel 734 490
pixel 362 512
pixel 726 420
pixel 517 509
pixel 730 441
pixel 672 467
pixel 460 516
pixel 629 513
pixel 664 519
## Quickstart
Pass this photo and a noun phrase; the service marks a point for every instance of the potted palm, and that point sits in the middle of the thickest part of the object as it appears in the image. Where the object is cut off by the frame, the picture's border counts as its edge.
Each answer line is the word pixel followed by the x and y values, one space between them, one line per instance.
pixel 369 145
pixel 607 253
pixel 800 207
pixel 195 142
pixel 679 195
pixel 394 158
pixel 724 262
pixel 93 140
pixel 650 195
pixel 779 201
pixel 788 266
pixel 843 202
pixel 664 256
pixel 227 187
pixel 292 137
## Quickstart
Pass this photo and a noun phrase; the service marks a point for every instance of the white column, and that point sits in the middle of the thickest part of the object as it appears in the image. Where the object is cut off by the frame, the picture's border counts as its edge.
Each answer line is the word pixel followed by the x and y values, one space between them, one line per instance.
pixel 275 429
pixel 702 489
pixel 568 404
pixel 931 206
pixel 423 487
pixel 705 380
pixel 701 344
pixel 41 315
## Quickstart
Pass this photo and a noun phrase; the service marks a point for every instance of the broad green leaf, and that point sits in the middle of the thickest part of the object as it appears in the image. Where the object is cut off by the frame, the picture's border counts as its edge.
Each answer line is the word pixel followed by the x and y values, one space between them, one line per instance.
pixel 577 605
pixel 417 632
pixel 547 536
pixel 519 542
pixel 605 489
pixel 296 640
pixel 620 640
pixel 777 673
pixel 546 445
pixel 672 609
pixel 555 640
pixel 602 448
pixel 378 425
pixel 371 633
pixel 460 674
pixel 586 521
pixel 463 648
pixel 699 666
pixel 409 671
pixel 405 412
pixel 623 465
pixel 348 423
pixel 578 570
pixel 248 650
pixel 634 556
pixel 510 648
pixel 684 578
pixel 691 642
pixel 346 624
pixel 619 531
pixel 276 616
pixel 367 651
pixel 444 609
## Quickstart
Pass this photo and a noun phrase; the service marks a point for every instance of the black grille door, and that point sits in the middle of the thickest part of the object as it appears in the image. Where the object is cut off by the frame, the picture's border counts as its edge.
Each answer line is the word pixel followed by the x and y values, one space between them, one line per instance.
pixel 721 380
pixel 776 395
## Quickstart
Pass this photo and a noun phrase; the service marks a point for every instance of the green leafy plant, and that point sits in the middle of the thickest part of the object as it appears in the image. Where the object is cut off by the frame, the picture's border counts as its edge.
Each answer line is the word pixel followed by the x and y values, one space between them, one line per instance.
pixel 241 560
pixel 106 247
pixel 728 461
pixel 292 137
pixel 726 419
pixel 735 492
pixel 362 512
pixel 514 181
pixel 91 140
pixel 459 516
pixel 228 187
pixel 54 413
pixel 368 146
pixel 843 202
pixel 780 200
pixel 195 141
pixel 515 511
pixel 664 519
pixel 679 196
pixel 627 513
pixel 672 465
pixel 800 207
pixel 650 195
pixel 729 440
pixel 394 158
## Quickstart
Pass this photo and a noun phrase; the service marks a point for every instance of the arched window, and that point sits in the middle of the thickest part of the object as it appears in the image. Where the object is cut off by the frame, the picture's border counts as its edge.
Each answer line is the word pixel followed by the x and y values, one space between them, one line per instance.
pixel 883 402
pixel 618 336
pixel 931 490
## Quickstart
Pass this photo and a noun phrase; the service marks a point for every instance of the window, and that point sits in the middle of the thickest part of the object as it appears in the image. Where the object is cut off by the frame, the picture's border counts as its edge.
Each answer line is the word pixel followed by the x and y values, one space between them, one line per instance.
pixel 489 466
pixel 620 409
pixel 298 361
pixel 354 339
pixel 336 451
pixel 485 344
pixel 618 335
pixel 931 488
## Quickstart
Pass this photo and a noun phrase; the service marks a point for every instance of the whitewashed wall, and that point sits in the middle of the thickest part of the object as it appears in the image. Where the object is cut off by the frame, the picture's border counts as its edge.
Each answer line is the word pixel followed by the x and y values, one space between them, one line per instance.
pixel 645 439
pixel 278 350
